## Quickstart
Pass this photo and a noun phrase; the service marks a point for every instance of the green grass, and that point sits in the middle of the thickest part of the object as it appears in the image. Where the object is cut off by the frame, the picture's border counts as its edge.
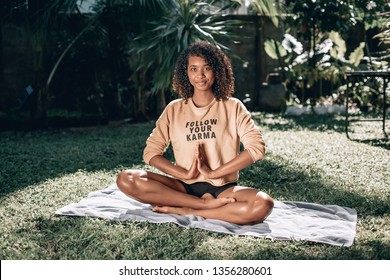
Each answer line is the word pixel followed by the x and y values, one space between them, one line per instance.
pixel 308 159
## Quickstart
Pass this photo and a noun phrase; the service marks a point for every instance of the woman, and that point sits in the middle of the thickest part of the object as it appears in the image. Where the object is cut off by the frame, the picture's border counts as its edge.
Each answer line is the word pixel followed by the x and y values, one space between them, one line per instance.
pixel 205 128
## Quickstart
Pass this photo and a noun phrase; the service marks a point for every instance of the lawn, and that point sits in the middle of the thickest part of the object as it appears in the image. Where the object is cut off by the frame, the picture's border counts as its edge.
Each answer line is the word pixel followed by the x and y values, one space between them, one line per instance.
pixel 308 159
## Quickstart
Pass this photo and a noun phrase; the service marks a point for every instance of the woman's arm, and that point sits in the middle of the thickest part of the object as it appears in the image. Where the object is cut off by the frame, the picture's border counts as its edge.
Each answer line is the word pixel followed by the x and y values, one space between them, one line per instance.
pixel 241 161
pixel 178 172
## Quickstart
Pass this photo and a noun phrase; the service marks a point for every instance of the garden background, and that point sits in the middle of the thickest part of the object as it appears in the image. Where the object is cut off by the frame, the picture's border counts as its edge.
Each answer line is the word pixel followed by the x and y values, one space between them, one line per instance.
pixel 82 82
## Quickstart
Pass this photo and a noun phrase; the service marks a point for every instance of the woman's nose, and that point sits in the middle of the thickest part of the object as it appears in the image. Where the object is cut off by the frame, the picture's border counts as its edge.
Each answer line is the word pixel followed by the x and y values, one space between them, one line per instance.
pixel 201 72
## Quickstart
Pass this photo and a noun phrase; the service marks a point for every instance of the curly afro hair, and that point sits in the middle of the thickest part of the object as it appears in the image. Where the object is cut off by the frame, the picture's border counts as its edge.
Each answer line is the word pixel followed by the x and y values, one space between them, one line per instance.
pixel 223 86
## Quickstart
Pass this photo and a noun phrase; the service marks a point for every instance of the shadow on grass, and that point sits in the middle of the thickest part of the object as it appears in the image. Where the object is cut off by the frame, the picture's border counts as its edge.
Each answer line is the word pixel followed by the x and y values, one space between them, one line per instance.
pixel 34 157
pixel 304 122
pixel 298 250
pixel 380 143
pixel 322 123
pixel 309 185
pixel 31 158
pixel 77 238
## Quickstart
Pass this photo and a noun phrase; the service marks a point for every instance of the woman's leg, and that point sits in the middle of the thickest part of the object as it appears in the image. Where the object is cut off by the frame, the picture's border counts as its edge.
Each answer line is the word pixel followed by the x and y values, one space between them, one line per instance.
pixel 156 189
pixel 251 206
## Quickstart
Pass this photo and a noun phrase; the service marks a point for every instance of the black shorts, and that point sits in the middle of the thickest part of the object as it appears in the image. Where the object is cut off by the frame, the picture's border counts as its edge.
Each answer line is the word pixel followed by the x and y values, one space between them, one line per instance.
pixel 200 188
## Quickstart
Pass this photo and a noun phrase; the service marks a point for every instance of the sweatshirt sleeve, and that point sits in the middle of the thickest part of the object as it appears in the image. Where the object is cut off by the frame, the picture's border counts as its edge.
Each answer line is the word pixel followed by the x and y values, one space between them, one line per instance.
pixel 250 135
pixel 158 140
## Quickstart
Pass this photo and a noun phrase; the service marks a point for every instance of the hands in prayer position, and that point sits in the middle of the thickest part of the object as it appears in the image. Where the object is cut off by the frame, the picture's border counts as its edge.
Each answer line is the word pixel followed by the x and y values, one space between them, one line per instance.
pixel 199 165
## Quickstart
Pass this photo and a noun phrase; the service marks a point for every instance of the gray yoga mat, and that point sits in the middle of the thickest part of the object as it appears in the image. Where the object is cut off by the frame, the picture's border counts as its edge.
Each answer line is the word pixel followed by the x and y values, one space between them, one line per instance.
pixel 289 220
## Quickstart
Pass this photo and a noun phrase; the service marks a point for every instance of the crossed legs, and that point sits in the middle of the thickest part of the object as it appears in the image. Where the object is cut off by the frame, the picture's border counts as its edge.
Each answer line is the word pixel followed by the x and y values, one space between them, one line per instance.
pixel 240 205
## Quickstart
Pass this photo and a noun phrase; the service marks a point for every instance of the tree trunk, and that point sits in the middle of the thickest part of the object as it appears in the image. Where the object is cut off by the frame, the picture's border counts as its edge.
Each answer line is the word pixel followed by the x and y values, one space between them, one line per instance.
pixel 38 39
pixel 114 47
pixel 39 97
pixel 161 102
pixel 139 102
pixel 259 54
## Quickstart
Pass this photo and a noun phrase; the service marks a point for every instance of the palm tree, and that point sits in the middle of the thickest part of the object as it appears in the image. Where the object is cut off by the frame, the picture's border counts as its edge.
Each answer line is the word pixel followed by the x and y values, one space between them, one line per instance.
pixel 182 23
pixel 166 28
pixel 116 22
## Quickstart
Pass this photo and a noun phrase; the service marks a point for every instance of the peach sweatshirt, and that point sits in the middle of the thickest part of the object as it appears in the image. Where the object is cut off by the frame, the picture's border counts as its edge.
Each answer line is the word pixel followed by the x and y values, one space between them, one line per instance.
pixel 219 127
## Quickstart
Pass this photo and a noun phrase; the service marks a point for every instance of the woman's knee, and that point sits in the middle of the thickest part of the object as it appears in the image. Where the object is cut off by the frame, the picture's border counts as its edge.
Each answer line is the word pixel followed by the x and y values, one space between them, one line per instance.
pixel 128 181
pixel 268 204
pixel 261 208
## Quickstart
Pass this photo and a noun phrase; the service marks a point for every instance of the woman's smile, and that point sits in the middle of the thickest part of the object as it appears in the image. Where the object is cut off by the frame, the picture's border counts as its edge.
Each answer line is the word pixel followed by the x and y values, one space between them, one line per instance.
pixel 200 74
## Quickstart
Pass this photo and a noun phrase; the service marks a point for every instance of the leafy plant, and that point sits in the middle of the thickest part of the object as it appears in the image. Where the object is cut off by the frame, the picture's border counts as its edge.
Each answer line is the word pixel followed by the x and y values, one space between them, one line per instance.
pixel 371 13
pixel 329 55
pixel 384 34
pixel 182 23
pixel 320 56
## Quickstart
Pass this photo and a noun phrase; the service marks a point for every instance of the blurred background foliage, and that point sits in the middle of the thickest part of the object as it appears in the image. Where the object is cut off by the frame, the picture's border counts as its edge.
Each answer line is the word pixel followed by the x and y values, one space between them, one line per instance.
pixel 104 60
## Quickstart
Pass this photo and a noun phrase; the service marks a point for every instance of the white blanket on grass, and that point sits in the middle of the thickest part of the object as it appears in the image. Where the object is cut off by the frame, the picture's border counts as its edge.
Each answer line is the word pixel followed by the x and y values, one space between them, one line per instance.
pixel 289 220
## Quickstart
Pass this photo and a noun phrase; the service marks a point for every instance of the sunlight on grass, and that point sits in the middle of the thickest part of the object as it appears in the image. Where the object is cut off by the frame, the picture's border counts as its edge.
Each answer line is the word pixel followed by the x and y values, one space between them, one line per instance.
pixel 308 159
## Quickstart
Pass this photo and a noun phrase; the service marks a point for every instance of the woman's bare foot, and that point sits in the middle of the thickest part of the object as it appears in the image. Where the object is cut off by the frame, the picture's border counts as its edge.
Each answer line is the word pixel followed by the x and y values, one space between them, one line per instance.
pixel 173 210
pixel 209 200
pixel 209 203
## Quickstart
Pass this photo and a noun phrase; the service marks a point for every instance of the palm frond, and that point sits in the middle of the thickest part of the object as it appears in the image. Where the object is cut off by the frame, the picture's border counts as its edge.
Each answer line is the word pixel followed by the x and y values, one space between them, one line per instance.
pixel 184 23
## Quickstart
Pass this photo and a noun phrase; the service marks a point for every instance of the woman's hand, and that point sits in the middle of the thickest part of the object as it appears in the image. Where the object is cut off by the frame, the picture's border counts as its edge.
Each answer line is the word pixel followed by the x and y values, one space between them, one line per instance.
pixel 193 172
pixel 241 161
pixel 202 164
pixel 176 171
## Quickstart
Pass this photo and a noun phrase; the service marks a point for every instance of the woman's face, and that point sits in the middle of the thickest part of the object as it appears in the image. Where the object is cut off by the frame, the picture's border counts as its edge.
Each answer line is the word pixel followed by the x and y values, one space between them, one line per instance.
pixel 200 74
